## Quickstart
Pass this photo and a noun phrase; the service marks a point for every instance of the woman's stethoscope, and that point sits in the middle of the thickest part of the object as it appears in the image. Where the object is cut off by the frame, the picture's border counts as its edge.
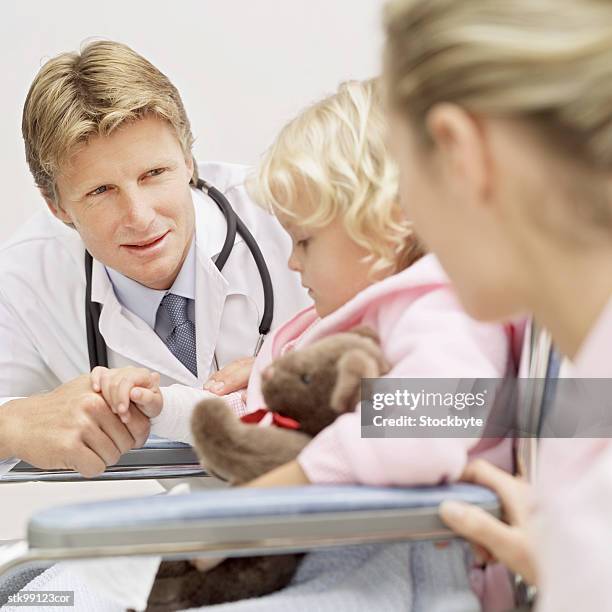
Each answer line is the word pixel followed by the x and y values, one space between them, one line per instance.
pixel 95 342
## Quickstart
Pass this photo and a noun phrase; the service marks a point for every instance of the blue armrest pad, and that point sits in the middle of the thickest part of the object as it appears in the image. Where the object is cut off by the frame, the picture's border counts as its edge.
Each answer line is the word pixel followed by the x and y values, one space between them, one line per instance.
pixel 244 502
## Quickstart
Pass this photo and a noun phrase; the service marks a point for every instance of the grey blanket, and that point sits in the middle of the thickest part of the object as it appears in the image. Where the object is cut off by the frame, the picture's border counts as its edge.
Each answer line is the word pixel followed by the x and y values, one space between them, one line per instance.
pixel 416 577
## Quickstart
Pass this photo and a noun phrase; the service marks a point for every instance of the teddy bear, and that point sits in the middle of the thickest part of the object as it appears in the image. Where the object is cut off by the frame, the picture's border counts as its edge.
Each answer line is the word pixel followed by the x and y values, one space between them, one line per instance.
pixel 304 391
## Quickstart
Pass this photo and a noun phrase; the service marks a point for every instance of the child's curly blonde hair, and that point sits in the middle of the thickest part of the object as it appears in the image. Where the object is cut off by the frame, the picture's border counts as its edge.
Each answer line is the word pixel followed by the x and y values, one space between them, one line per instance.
pixel 331 160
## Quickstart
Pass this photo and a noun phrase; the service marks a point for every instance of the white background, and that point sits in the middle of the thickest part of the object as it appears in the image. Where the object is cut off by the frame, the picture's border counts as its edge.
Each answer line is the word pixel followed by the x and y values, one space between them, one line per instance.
pixel 243 67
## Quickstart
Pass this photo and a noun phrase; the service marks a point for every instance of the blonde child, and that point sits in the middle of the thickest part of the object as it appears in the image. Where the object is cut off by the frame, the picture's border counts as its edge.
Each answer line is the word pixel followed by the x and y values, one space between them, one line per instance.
pixel 331 182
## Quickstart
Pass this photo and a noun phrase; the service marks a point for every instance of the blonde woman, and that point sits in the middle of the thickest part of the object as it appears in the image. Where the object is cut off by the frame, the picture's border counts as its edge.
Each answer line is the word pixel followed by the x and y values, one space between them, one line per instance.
pixel 331 182
pixel 502 123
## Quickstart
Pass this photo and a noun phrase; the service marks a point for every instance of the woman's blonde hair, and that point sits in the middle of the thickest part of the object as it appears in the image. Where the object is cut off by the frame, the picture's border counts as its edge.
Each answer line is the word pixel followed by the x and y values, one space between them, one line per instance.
pixel 331 160
pixel 549 61
pixel 79 95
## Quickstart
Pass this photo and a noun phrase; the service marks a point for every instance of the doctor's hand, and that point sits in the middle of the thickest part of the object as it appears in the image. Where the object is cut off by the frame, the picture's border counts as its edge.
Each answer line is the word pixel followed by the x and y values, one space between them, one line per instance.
pixel 494 540
pixel 232 377
pixel 70 427
pixel 122 387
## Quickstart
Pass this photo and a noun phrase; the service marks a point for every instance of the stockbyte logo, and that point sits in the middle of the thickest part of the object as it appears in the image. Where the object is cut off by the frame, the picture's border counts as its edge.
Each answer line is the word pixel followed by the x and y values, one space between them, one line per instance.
pixel 398 407
pixel 428 421
pixel 490 408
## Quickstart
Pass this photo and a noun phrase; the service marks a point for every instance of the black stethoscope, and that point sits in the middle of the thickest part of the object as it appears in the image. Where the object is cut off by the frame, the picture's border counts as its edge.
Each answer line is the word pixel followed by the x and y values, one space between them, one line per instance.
pixel 96 345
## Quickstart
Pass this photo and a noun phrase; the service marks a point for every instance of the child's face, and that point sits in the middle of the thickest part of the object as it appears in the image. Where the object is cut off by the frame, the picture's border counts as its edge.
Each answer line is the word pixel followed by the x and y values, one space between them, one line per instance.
pixel 329 262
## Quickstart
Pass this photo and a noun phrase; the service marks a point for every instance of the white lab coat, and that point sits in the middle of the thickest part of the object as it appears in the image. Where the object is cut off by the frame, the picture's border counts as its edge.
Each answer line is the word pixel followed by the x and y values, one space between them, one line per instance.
pixel 42 298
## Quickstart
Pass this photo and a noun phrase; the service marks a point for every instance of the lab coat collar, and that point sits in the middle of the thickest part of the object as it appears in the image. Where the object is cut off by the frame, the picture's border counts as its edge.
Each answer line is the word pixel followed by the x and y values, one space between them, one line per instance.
pixel 212 286
pixel 184 284
pixel 127 335
pixel 142 301
pixel 211 228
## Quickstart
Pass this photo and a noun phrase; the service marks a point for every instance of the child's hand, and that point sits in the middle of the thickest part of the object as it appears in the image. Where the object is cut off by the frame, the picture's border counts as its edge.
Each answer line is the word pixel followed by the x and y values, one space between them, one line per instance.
pixel 122 386
pixel 233 377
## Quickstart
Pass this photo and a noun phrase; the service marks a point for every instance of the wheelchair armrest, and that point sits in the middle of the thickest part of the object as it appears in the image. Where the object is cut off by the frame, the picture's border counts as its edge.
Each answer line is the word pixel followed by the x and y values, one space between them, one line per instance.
pixel 243 521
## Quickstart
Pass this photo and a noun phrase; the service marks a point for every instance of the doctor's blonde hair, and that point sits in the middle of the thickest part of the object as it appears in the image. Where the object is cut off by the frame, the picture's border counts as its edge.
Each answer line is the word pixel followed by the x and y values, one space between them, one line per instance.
pixel 79 95
pixel 331 160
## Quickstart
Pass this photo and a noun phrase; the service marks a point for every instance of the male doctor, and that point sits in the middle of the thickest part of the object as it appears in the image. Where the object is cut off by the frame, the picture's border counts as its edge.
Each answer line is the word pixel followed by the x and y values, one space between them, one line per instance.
pixel 109 145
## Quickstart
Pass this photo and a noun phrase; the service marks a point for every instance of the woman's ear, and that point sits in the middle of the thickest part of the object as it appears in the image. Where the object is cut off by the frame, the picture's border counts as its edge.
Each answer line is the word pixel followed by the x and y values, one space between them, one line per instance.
pixel 461 143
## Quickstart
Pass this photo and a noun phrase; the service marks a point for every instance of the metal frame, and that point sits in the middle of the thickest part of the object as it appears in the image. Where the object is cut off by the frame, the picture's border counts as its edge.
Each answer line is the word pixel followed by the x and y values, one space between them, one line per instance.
pixel 324 517
pixel 157 459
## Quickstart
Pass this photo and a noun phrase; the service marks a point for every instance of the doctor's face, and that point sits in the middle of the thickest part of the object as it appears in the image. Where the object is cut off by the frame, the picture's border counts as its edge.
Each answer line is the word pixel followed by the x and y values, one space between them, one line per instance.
pixel 129 198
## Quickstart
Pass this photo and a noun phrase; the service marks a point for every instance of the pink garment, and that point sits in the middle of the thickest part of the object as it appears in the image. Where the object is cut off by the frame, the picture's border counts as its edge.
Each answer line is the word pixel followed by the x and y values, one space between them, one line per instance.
pixel 424 333
pixel 573 519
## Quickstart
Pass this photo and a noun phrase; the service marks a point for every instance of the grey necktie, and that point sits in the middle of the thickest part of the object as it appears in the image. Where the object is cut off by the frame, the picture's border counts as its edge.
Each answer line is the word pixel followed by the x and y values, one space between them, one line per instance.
pixel 182 339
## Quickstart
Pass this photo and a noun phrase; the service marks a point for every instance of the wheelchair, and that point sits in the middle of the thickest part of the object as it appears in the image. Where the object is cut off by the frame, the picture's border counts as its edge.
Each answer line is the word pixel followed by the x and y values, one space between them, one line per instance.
pixel 245 522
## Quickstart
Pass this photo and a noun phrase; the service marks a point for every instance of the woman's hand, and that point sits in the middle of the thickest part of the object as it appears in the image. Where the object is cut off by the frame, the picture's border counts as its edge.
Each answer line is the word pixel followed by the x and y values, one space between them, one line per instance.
pixel 233 377
pixel 492 539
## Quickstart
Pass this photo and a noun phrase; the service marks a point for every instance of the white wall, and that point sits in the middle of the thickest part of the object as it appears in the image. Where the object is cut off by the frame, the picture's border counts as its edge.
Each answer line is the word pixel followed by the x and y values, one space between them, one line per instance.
pixel 243 66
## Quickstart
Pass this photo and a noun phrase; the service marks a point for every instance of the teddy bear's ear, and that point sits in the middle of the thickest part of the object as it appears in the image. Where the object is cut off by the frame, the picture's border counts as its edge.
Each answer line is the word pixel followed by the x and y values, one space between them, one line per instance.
pixel 375 351
pixel 351 368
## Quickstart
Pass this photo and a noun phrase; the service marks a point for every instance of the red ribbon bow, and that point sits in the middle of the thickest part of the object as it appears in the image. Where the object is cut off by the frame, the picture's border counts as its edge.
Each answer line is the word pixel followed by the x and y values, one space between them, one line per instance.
pixel 277 419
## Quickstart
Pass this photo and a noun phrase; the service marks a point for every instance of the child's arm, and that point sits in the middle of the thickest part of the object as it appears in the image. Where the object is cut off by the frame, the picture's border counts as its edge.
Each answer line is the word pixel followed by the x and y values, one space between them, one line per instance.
pixel 179 401
pixel 289 474
pixel 169 408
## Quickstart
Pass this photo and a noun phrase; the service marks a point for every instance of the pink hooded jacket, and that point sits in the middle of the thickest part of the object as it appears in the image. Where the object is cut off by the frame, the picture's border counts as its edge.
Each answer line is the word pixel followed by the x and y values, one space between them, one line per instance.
pixel 424 333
